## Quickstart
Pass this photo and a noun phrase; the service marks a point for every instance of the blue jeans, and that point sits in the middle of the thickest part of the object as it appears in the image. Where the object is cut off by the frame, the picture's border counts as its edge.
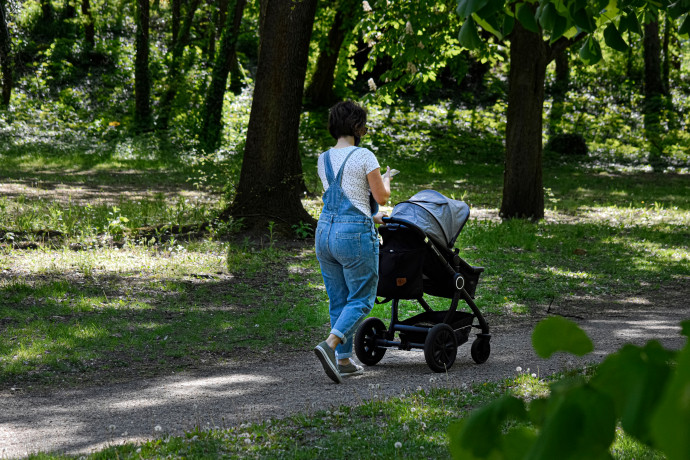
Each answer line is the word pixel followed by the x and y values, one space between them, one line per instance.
pixel 348 251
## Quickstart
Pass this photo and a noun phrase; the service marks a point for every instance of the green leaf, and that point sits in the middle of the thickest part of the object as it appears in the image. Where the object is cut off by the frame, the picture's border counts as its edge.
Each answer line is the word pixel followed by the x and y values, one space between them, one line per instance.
pixel 631 23
pixel 548 17
pixel 559 28
pixel 481 432
pixel 559 334
pixel 468 36
pixel 670 424
pixel 590 53
pixel 584 20
pixel 685 328
pixel 490 25
pixel 635 378
pixel 685 27
pixel 580 423
pixel 467 7
pixel 613 38
pixel 525 15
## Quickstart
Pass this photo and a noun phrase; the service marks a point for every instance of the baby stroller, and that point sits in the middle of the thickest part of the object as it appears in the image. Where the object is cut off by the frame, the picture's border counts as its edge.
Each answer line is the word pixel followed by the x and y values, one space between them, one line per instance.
pixel 417 257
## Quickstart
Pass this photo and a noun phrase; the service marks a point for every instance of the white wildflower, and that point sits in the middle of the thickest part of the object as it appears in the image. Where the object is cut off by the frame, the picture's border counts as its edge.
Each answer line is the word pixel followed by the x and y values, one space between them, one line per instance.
pixel 398 445
pixel 534 375
pixel 158 428
pixel 519 369
pixel 372 84
pixel 111 428
pixel 408 28
pixel 366 7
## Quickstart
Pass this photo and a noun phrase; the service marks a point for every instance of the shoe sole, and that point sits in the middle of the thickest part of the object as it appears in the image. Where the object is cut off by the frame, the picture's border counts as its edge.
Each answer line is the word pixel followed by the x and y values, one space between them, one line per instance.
pixel 327 365
pixel 350 374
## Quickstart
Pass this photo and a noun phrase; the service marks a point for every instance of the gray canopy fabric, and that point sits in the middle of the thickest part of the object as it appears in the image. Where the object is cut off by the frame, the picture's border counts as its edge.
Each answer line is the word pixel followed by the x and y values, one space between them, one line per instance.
pixel 439 217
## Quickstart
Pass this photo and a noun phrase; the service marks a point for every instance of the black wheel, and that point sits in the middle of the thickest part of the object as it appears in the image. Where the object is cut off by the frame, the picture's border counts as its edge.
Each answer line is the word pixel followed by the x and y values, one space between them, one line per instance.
pixel 440 347
pixel 481 349
pixel 365 341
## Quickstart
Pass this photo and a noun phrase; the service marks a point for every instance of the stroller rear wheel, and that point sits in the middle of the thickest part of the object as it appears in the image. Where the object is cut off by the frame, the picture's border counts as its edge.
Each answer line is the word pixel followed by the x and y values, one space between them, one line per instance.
pixel 365 341
pixel 481 349
pixel 440 347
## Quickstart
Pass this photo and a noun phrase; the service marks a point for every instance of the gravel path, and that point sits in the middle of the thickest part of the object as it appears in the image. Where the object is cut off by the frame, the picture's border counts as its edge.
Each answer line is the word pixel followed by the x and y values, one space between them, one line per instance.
pixel 84 420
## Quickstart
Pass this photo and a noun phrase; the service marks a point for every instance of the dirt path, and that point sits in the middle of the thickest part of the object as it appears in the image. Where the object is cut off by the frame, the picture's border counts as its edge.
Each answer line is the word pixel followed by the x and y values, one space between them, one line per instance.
pixel 84 420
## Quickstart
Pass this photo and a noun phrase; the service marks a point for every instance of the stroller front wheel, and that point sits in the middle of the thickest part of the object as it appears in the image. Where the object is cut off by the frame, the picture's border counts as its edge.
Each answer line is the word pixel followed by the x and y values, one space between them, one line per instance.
pixel 440 347
pixel 365 341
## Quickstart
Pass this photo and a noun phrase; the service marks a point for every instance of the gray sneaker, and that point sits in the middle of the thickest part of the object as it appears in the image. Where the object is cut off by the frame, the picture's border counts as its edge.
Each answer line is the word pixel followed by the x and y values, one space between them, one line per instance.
pixel 327 357
pixel 350 369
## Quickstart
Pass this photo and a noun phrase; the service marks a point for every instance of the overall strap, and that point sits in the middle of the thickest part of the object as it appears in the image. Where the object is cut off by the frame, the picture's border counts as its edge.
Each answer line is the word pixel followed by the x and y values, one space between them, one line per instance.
pixel 329 167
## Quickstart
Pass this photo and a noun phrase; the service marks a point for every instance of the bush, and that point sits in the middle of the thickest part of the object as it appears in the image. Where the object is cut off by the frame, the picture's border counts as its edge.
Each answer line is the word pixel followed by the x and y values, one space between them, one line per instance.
pixel 568 144
pixel 645 388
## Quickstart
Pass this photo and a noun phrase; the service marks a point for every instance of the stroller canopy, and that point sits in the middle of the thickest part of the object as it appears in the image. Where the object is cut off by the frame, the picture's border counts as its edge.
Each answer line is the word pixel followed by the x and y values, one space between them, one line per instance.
pixel 439 217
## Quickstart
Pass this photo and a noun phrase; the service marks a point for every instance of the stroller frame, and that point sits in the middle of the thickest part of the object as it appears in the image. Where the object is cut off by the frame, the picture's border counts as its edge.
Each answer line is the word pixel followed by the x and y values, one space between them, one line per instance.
pixel 438 333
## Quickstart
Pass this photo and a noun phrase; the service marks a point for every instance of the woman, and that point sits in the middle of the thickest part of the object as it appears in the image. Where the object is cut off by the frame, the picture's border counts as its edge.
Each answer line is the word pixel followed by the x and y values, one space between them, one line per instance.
pixel 346 243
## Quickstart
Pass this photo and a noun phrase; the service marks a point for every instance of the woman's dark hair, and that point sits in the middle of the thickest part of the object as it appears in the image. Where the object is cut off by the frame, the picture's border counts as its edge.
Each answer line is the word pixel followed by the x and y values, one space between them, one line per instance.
pixel 347 118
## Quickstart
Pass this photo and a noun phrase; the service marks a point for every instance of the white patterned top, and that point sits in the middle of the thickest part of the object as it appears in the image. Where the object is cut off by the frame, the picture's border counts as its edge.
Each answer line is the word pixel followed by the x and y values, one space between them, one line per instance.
pixel 355 183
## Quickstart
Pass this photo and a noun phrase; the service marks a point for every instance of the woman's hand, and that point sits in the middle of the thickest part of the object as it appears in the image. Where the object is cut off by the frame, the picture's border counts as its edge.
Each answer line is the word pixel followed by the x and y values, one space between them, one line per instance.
pixel 378 218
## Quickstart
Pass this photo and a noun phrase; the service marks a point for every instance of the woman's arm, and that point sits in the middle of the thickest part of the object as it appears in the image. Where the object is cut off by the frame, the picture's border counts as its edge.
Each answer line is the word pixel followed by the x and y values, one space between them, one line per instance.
pixel 380 185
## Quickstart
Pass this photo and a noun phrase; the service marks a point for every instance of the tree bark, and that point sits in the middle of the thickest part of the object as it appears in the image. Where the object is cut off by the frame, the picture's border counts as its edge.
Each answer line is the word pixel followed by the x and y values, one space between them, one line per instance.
pixel 89 29
pixel 653 92
pixel 5 57
pixel 143 120
pixel 176 15
pixel 523 194
pixel 212 125
pixel 271 182
pixel 666 62
pixel 320 93
pixel 216 29
pixel 175 73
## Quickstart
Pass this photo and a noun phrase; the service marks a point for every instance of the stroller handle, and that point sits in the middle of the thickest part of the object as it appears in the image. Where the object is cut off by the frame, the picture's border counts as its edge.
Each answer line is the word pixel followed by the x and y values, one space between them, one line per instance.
pixel 410 225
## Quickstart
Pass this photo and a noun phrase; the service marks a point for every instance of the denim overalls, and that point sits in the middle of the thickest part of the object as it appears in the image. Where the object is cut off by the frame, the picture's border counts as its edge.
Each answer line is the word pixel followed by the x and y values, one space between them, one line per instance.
pixel 348 251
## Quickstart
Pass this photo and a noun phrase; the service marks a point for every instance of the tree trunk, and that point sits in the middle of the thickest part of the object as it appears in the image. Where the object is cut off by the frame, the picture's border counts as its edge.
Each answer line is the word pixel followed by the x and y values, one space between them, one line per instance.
pixel 212 124
pixel 653 92
pixel 5 57
pixel 320 93
pixel 271 181
pixel 666 64
pixel 89 29
pixel 559 90
pixel 175 74
pixel 143 120
pixel 176 15
pixel 216 29
pixel 523 194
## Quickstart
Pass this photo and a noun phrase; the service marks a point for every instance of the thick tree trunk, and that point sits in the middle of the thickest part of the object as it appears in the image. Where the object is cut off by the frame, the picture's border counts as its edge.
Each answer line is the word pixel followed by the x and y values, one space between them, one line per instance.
pixel 271 181
pixel 89 29
pixel 5 57
pixel 175 73
pixel 212 125
pixel 143 120
pixel 523 194
pixel 653 92
pixel 320 93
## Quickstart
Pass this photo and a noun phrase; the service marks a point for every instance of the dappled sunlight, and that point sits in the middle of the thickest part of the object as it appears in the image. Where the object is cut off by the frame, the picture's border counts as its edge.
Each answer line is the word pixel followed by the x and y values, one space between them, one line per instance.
pixel 642 330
